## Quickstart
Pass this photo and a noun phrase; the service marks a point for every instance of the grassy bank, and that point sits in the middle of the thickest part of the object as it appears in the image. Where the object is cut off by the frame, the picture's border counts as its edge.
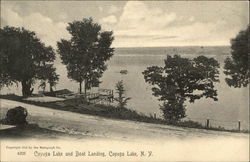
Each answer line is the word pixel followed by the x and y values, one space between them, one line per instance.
pixel 80 106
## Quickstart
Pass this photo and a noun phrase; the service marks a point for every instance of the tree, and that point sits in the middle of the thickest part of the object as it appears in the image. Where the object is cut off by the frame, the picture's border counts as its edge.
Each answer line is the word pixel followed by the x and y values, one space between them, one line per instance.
pixel 23 58
pixel 121 99
pixel 52 79
pixel 182 79
pixel 237 66
pixel 86 52
pixel 49 76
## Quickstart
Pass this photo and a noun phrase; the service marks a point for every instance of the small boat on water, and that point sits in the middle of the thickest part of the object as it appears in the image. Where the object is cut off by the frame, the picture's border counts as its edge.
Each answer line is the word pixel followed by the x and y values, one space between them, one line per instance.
pixel 124 71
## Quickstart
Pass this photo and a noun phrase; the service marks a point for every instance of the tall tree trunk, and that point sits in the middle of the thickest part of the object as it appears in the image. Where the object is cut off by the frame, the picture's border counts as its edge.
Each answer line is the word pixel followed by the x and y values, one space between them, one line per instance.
pixel 80 86
pixel 85 90
pixel 26 88
pixel 50 87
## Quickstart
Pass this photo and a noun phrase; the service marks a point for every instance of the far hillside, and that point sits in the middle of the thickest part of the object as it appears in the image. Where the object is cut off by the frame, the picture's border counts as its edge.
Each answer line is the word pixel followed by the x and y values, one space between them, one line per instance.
pixel 208 50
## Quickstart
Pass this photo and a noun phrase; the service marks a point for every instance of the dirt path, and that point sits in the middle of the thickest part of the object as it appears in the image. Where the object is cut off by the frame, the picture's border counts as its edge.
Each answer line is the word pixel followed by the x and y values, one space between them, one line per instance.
pixel 82 125
pixel 72 131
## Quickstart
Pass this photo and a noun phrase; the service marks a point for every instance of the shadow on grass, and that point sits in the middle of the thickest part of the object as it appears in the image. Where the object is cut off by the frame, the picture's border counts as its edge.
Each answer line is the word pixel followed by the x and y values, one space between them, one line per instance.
pixel 29 131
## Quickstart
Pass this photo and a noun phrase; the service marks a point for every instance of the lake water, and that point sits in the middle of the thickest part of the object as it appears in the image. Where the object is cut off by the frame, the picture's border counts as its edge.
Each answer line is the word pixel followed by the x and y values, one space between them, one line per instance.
pixel 231 107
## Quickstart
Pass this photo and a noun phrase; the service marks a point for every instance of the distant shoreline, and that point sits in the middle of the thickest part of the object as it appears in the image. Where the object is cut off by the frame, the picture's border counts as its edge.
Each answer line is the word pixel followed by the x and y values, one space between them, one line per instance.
pixel 199 50
pixel 174 46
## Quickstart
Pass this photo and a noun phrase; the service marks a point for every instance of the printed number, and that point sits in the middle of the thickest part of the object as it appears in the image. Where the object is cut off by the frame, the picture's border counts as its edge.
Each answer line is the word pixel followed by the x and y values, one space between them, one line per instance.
pixel 21 153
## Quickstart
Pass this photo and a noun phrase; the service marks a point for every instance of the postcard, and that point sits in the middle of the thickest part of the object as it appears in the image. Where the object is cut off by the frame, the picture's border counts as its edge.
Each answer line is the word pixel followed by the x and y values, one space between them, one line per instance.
pixel 124 81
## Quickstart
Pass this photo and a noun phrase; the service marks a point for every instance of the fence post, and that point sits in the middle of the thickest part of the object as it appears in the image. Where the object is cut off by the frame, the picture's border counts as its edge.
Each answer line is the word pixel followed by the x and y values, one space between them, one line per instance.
pixel 112 96
pixel 207 122
pixel 239 125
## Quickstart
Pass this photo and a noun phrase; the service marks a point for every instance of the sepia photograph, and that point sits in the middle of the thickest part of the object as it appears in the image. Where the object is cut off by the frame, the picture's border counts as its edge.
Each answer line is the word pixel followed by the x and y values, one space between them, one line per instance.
pixel 124 80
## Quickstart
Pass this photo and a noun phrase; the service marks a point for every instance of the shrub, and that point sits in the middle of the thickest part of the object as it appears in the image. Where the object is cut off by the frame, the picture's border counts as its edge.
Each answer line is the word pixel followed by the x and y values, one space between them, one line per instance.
pixel 121 99
pixel 189 124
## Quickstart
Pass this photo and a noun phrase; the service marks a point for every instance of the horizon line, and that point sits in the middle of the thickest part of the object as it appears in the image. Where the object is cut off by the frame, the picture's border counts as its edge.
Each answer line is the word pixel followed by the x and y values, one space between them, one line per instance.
pixel 174 46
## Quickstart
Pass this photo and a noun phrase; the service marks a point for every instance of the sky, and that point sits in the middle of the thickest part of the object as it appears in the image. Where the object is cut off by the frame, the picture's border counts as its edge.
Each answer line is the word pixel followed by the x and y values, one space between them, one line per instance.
pixel 134 23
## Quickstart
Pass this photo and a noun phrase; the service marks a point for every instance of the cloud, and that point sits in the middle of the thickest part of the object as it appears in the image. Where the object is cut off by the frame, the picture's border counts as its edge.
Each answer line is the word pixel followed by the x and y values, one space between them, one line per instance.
pixel 141 25
pixel 137 23
pixel 113 9
pixel 100 8
pixel 109 20
pixel 10 17
pixel 47 30
pixel 137 15
pixel 192 34
pixel 191 19
pixel 63 16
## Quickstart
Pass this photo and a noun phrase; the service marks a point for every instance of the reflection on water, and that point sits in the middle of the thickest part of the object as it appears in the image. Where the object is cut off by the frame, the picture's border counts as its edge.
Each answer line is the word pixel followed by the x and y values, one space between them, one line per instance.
pixel 231 107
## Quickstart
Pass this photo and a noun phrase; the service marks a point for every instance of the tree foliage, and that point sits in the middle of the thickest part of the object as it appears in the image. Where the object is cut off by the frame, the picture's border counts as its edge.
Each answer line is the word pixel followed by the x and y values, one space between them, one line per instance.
pixel 120 90
pixel 182 79
pixel 174 110
pixel 23 58
pixel 50 76
pixel 237 66
pixel 86 52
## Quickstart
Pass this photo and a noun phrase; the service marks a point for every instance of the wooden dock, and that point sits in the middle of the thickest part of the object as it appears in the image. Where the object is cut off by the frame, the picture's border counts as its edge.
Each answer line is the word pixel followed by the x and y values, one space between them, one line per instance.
pixel 103 95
